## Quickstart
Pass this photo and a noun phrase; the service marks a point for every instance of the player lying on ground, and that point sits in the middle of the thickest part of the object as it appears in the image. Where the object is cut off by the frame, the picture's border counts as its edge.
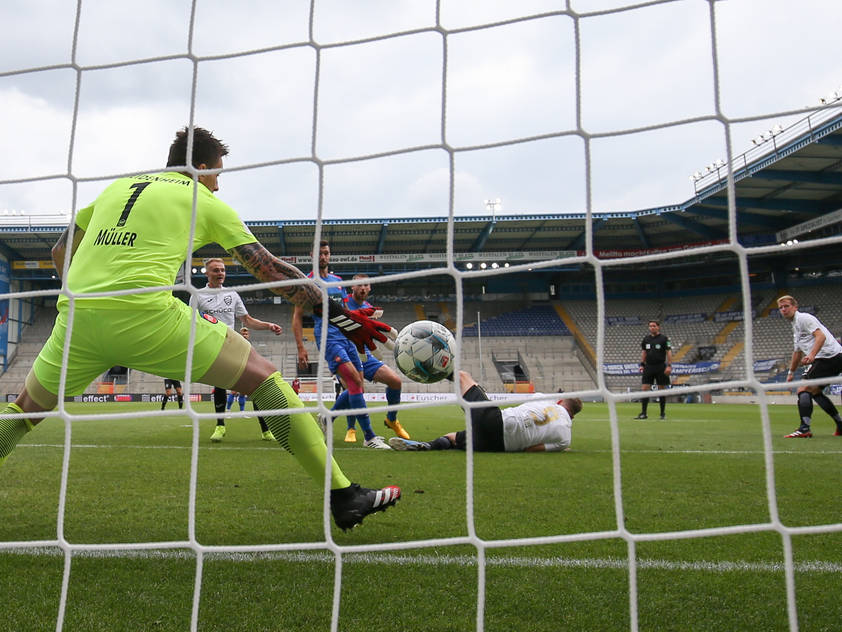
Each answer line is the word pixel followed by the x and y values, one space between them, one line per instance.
pixel 135 235
pixel 539 426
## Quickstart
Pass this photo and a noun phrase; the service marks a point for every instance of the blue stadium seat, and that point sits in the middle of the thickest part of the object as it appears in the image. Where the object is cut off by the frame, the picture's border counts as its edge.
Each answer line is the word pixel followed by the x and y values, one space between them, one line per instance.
pixel 538 320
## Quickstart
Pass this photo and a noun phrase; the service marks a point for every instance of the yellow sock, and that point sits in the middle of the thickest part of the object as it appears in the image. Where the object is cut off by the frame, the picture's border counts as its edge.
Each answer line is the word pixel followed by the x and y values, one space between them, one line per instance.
pixel 298 434
pixel 12 429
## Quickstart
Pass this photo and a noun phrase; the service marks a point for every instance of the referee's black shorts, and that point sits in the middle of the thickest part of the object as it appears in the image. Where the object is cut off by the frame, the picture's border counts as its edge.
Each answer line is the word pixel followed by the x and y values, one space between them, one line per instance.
pixel 655 373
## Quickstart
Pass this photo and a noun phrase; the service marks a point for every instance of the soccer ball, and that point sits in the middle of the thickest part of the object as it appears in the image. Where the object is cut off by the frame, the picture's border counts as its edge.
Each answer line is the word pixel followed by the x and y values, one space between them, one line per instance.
pixel 424 351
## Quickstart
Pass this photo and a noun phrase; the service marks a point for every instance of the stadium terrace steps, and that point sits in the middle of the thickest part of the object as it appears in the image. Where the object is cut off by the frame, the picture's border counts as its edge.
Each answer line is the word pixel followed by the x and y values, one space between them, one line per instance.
pixel 551 361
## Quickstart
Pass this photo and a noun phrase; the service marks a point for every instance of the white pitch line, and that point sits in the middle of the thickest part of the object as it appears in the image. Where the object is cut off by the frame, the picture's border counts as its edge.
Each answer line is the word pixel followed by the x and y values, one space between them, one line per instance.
pixel 156 447
pixel 448 560
pixel 343 448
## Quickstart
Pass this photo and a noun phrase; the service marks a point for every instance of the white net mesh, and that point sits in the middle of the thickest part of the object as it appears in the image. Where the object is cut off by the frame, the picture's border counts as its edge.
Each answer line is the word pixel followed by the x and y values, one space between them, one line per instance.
pixel 410 107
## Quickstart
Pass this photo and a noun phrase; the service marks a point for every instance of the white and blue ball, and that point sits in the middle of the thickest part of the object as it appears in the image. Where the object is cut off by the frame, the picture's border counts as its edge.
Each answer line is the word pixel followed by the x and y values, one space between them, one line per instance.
pixel 424 351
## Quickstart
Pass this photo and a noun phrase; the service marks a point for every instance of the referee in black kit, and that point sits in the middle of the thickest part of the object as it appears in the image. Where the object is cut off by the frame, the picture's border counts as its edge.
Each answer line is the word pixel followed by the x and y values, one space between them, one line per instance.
pixel 655 365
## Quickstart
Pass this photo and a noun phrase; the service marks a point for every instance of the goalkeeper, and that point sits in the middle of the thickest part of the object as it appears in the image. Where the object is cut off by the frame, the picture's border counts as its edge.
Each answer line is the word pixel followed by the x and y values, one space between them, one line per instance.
pixel 132 239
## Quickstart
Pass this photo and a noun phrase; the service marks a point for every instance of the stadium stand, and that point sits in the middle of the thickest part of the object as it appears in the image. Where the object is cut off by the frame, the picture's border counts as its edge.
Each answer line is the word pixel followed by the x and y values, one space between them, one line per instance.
pixel 702 328
pixel 537 320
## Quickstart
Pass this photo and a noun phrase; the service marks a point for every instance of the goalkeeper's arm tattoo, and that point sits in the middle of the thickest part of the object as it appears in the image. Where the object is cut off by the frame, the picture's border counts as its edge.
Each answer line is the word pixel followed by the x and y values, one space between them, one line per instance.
pixel 266 267
pixel 59 250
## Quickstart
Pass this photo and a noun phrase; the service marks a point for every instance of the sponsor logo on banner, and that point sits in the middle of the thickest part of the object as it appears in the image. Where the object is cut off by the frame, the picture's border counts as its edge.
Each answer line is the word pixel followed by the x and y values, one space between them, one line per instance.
pixel 678 368
pixel 686 318
pixel 132 397
pixel 623 320
pixel 761 366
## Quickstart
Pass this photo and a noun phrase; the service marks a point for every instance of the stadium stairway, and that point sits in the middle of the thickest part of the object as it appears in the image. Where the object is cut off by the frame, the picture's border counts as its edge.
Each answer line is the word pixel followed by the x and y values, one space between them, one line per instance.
pixel 446 318
pixel 722 337
pixel 577 333
pixel 731 355
pixel 682 352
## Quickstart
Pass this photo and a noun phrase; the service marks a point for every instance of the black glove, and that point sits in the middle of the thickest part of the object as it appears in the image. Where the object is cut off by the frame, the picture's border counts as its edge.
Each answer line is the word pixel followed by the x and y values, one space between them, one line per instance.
pixel 356 325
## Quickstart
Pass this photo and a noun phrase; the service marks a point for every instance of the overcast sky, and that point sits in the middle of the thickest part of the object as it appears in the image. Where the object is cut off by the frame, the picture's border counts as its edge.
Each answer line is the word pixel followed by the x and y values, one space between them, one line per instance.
pixel 451 92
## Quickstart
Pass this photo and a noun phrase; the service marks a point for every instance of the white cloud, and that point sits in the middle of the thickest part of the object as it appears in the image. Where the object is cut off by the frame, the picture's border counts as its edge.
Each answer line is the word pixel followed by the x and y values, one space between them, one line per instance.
pixel 279 192
pixel 780 58
pixel 387 187
pixel 646 67
pixel 333 22
pixel 511 81
pixel 380 96
pixel 627 176
pixel 261 105
pixel 35 133
pixel 459 14
pixel 228 27
pixel 35 34
pixel 642 66
pixel 112 31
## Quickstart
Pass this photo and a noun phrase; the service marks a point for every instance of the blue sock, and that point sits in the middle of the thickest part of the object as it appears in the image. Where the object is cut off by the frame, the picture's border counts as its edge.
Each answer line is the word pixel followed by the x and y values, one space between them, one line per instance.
pixel 230 401
pixel 241 400
pixel 341 401
pixel 358 401
pixel 393 396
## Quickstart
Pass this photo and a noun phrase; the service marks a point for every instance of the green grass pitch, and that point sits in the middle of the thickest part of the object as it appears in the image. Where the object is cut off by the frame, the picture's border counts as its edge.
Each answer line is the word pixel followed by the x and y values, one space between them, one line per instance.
pixel 703 468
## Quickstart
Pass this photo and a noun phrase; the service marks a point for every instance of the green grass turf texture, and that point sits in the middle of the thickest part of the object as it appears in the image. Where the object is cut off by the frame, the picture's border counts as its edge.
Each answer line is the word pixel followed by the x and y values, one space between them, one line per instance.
pixel 702 468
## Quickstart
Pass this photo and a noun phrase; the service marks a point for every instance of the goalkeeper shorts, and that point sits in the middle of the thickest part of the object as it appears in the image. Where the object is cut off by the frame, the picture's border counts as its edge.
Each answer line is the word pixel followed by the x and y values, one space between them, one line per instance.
pixel 151 341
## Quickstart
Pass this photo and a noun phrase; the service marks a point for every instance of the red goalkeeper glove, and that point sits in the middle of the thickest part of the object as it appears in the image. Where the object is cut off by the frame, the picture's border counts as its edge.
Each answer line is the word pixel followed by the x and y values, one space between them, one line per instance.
pixel 357 326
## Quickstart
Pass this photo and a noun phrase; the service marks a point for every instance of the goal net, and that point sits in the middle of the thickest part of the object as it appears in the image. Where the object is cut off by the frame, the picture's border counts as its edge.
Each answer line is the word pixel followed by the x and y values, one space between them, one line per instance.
pixel 425 110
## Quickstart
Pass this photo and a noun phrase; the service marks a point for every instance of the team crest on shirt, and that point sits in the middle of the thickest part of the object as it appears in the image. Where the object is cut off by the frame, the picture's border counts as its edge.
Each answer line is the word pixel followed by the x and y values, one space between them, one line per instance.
pixel 211 319
pixel 228 300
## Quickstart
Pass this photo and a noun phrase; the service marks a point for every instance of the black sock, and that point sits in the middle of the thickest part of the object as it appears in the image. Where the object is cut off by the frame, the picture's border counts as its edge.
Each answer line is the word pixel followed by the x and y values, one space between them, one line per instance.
pixel 662 402
pixel 805 408
pixel 263 426
pixel 442 443
pixel 644 404
pixel 827 406
pixel 180 401
pixel 219 400
pixel 164 402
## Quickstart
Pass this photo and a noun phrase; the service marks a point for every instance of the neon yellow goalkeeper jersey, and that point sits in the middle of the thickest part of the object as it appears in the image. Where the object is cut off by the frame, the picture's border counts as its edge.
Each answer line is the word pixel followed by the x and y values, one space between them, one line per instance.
pixel 136 235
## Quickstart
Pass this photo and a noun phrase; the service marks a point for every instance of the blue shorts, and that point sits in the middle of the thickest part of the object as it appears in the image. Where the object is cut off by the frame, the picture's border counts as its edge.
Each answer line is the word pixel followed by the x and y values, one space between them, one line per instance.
pixel 370 366
pixel 342 351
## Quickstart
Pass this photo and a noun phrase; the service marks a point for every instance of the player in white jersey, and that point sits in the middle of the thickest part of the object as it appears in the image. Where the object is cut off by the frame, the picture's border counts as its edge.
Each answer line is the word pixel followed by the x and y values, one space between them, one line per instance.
pixel 819 351
pixel 542 425
pixel 226 306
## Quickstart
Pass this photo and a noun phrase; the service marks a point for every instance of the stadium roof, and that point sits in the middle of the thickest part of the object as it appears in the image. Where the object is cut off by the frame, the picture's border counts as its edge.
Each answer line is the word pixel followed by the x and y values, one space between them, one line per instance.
pixel 787 186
